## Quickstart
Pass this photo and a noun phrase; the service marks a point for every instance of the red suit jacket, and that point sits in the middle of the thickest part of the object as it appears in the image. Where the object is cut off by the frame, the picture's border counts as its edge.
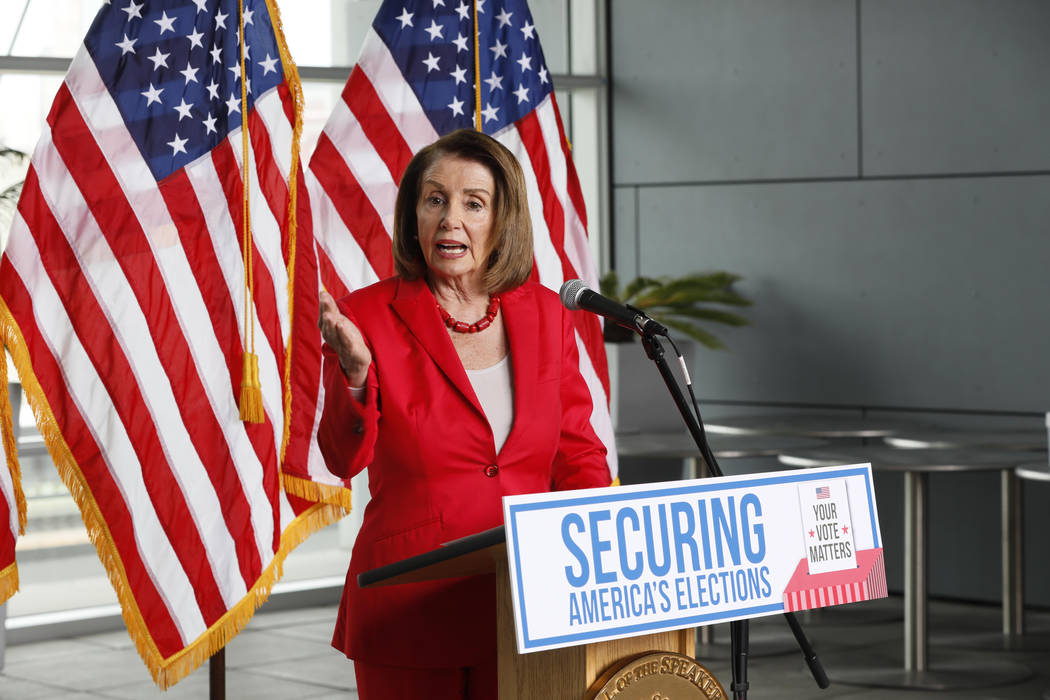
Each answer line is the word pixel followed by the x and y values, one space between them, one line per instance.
pixel 434 474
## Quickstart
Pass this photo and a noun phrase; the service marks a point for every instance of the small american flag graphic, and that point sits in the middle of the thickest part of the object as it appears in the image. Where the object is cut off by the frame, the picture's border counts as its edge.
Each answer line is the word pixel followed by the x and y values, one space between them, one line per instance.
pixel 823 492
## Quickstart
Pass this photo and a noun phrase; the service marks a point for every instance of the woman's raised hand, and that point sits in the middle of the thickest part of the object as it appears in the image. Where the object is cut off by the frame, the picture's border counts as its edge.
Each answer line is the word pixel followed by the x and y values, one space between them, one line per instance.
pixel 343 336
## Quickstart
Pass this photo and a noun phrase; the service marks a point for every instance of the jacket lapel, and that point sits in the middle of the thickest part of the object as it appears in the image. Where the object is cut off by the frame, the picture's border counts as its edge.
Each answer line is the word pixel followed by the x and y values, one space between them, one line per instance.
pixel 415 306
pixel 519 318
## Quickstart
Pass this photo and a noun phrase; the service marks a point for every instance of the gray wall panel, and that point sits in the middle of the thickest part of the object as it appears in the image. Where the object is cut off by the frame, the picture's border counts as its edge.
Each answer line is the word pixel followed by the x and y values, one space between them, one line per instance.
pixel 626 233
pixel 955 85
pixel 902 293
pixel 734 89
pixel 898 291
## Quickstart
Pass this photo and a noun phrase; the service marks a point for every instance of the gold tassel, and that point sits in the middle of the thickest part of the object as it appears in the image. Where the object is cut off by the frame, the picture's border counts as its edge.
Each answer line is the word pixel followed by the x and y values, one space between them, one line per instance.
pixel 251 390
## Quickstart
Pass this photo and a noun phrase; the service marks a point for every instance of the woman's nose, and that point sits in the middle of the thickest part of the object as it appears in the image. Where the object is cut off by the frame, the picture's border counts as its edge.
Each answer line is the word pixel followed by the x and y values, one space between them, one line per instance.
pixel 450 219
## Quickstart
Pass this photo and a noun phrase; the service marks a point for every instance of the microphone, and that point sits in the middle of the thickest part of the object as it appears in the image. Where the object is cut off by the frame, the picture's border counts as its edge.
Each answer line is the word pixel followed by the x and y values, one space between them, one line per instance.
pixel 576 295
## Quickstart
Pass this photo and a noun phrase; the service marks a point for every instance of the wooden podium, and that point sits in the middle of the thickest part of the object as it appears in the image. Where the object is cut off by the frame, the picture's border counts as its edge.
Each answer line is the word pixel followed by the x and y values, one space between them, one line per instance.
pixel 558 674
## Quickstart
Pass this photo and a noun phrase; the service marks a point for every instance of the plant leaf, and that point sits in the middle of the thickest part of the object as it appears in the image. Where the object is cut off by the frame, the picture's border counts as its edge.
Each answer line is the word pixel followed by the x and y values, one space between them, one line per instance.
pixel 688 297
pixel 716 315
pixel 639 284
pixel 609 285
pixel 712 280
pixel 696 333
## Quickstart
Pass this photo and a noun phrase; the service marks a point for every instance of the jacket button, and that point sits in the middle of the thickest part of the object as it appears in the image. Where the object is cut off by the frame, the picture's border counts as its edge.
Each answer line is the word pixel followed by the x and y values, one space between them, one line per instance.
pixel 491 470
pixel 359 428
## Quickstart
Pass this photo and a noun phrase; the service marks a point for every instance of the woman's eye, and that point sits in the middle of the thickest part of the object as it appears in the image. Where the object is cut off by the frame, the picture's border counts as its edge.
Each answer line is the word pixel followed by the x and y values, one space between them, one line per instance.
pixel 475 206
pixel 435 200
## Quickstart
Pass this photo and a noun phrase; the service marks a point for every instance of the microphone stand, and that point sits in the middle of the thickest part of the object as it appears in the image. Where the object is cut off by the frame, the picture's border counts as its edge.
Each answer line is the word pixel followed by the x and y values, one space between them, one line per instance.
pixel 739 629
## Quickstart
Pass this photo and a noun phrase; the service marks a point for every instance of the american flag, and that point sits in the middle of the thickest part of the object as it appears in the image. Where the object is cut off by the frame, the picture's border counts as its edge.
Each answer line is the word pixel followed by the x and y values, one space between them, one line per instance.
pixel 417 78
pixel 12 501
pixel 123 304
pixel 823 492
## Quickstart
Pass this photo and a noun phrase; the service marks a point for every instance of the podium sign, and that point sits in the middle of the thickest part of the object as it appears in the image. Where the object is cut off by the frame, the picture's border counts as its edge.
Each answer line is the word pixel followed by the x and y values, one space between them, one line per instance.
pixel 601 564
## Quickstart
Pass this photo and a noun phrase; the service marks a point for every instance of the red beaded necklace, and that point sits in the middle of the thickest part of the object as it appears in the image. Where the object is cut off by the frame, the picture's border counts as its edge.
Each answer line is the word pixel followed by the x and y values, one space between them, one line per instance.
pixel 477 326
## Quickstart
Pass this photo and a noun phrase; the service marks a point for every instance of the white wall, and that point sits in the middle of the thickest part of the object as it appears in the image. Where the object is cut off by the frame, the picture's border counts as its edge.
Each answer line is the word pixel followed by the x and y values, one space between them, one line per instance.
pixel 879 173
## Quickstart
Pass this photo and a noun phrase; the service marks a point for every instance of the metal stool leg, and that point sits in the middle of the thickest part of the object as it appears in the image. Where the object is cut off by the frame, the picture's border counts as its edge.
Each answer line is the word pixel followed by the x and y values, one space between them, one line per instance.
pixel 916 639
pixel 1012 551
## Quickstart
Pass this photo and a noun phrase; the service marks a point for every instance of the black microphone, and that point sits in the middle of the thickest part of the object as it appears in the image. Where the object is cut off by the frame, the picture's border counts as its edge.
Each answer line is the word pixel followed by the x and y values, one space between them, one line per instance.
pixel 576 295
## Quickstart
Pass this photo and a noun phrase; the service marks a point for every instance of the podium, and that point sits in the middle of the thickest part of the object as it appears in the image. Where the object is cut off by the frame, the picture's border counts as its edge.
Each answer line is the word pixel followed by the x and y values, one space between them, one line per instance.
pixel 567 673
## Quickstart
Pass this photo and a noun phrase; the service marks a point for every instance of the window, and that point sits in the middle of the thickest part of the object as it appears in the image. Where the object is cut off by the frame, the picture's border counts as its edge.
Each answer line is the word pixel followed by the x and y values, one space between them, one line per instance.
pixel 36 45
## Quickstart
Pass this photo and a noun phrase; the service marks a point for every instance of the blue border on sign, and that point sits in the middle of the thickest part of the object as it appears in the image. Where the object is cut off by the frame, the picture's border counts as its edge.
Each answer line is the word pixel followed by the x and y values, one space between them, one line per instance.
pixel 699 486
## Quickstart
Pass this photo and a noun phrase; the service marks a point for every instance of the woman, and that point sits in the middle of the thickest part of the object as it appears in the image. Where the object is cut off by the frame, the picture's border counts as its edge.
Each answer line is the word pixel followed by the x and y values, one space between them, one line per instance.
pixel 456 382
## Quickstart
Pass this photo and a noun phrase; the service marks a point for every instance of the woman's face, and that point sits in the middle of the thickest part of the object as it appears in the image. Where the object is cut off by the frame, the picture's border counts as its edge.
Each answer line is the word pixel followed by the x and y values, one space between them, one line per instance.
pixel 454 216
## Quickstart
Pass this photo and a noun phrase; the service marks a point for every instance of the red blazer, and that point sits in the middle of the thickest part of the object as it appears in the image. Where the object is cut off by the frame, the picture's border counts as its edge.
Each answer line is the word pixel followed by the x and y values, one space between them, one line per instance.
pixel 434 474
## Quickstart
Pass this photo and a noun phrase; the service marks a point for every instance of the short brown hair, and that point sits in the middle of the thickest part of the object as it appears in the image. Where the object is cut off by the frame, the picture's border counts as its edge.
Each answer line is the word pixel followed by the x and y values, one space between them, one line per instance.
pixel 510 258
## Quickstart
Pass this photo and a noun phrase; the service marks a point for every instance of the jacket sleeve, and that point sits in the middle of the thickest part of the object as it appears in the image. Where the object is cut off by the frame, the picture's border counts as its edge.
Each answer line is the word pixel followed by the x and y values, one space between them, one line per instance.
pixel 348 428
pixel 580 461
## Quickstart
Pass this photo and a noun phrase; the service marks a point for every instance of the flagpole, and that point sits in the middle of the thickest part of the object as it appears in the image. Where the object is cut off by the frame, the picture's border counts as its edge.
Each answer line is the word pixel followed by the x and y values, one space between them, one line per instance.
pixel 217 675
pixel 477 71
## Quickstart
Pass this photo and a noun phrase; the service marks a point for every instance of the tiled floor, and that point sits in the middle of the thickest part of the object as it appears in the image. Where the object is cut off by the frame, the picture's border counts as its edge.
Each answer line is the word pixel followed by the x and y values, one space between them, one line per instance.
pixel 285 654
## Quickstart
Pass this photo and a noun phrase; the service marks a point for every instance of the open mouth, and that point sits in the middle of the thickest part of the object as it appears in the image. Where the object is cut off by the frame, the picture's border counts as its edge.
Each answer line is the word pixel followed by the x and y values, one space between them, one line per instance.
pixel 452 248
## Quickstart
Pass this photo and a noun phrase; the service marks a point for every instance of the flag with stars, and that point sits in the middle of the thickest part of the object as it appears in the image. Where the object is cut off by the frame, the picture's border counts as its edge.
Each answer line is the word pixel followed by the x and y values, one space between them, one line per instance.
pixel 123 302
pixel 414 81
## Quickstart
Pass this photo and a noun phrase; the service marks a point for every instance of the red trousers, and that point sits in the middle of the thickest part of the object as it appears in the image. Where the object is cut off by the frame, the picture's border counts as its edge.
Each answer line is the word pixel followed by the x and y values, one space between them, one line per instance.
pixel 392 682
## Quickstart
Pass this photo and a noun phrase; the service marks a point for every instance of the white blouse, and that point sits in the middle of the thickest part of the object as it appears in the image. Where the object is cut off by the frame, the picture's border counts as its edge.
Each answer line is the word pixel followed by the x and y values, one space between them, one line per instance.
pixel 495 393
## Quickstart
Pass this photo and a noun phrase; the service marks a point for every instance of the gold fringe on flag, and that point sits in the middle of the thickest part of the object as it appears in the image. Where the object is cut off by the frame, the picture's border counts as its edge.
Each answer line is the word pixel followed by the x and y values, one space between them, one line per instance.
pixel 314 491
pixel 8 582
pixel 7 434
pixel 335 500
pixel 251 408
pixel 165 671
pixel 69 471
pixel 295 87
pixel 229 625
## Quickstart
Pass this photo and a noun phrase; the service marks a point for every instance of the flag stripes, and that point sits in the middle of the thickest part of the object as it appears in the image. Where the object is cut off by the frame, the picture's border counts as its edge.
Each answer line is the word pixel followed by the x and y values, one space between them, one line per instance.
pixel 122 301
pixel 140 265
pixel 394 93
pixel 110 467
pixel 75 290
pixel 12 500
pixel 202 434
pixel 357 213
pixel 380 122
pixel 375 122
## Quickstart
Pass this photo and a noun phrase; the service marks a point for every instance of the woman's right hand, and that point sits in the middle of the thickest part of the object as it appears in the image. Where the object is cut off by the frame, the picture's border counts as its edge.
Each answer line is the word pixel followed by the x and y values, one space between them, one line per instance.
pixel 343 336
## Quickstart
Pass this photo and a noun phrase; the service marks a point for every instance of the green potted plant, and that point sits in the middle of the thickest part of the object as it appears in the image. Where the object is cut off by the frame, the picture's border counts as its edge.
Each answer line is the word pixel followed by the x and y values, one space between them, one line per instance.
pixel 679 303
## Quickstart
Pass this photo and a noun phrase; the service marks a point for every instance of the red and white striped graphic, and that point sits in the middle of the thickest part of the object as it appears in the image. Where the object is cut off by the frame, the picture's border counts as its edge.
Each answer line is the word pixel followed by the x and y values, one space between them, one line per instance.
pixel 122 301
pixel 360 156
pixel 867 581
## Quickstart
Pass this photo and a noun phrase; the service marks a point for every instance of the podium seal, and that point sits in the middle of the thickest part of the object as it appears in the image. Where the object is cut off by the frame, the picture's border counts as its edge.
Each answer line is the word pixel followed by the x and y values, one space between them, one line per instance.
pixel 657 676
